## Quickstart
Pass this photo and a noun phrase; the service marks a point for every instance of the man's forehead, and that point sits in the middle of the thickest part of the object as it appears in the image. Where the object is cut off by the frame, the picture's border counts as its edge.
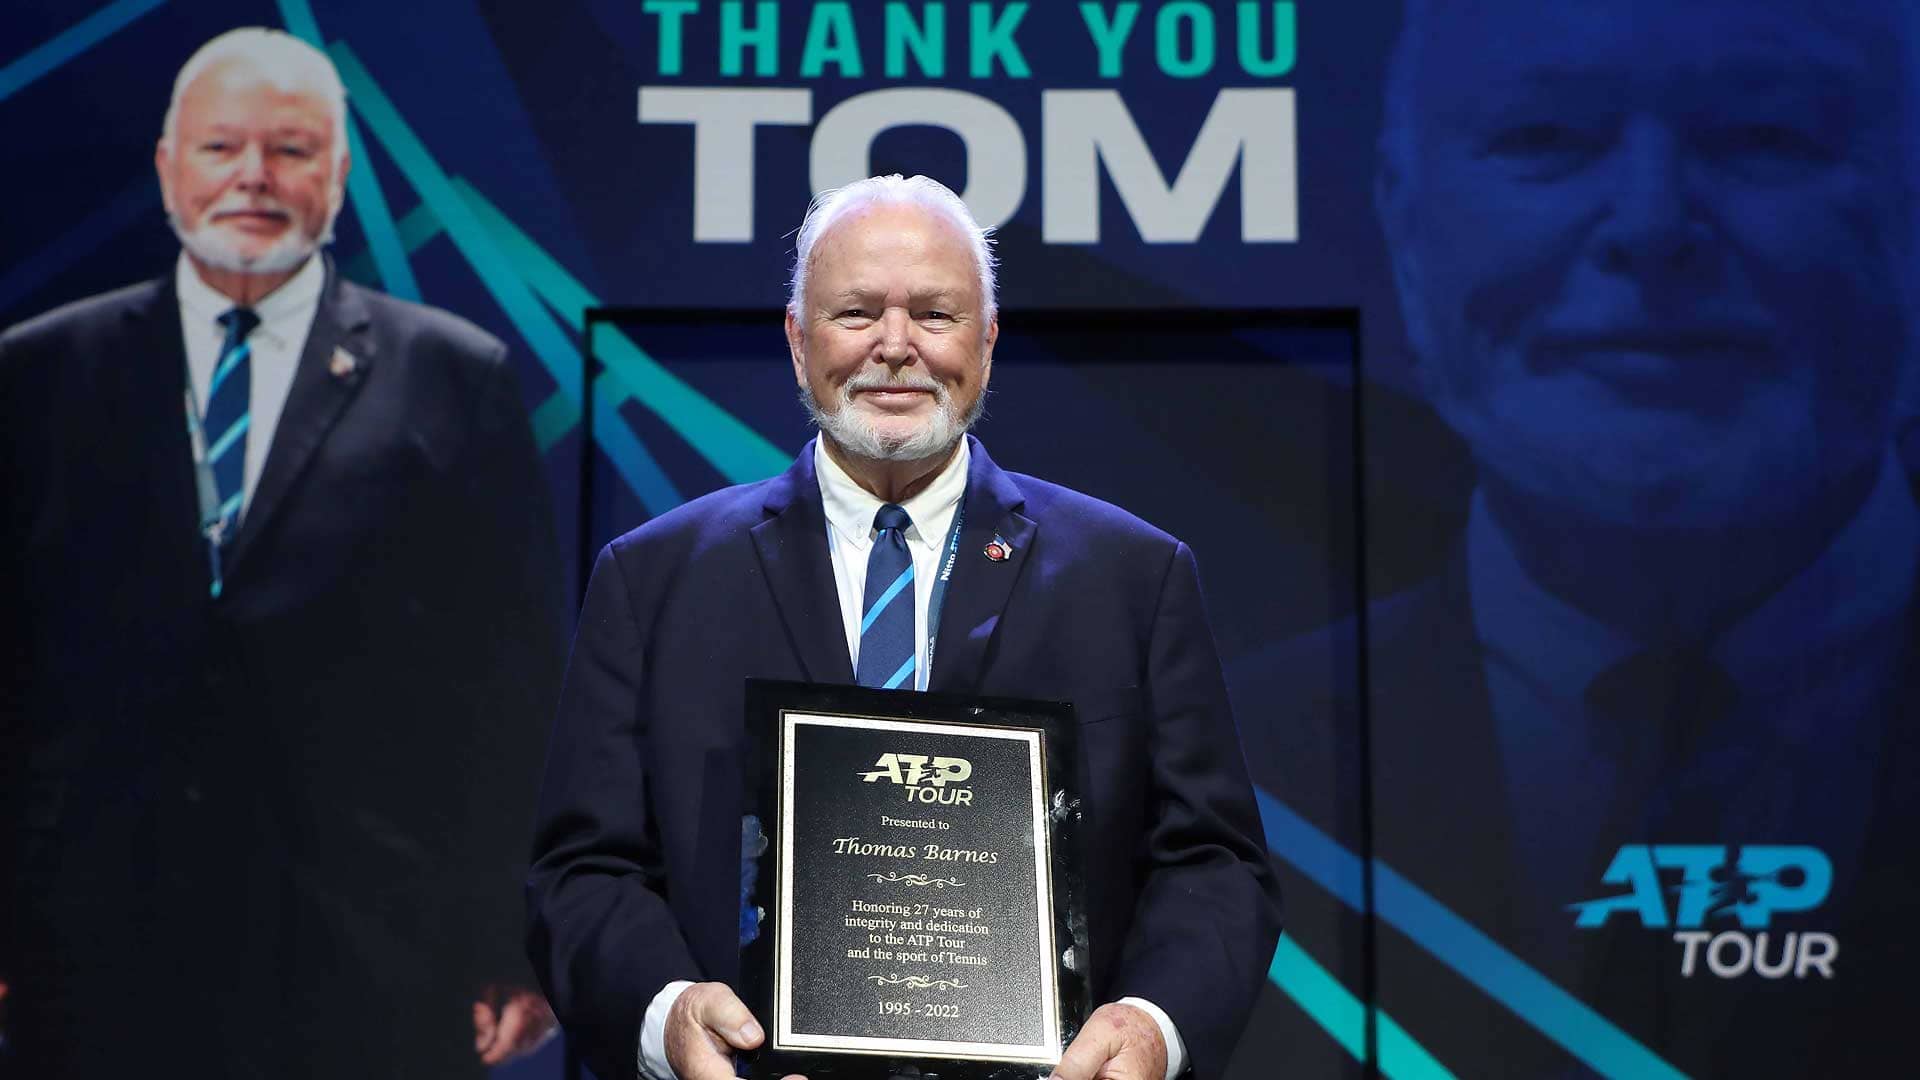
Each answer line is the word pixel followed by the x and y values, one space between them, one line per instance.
pixel 1458 44
pixel 885 224
pixel 872 245
pixel 242 83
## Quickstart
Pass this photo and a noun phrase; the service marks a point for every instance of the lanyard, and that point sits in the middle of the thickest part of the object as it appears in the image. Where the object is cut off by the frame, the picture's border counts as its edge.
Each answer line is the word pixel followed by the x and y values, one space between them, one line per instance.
pixel 948 559
pixel 205 489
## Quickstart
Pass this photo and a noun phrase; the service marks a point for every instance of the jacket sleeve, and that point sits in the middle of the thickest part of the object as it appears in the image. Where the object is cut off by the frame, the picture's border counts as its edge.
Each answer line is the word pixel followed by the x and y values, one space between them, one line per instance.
pixel 601 936
pixel 1208 915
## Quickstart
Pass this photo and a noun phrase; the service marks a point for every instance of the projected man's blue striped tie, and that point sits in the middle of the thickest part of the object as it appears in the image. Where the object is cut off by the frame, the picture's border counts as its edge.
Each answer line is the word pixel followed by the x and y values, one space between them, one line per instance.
pixel 887 653
pixel 225 418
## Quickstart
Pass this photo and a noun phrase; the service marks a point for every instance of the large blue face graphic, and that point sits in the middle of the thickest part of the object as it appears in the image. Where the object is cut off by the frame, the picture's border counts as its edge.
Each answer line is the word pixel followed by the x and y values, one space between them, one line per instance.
pixel 1654 254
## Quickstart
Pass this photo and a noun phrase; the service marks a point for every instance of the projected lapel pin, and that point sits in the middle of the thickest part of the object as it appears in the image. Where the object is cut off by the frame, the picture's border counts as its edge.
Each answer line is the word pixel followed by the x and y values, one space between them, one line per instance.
pixel 342 364
pixel 997 549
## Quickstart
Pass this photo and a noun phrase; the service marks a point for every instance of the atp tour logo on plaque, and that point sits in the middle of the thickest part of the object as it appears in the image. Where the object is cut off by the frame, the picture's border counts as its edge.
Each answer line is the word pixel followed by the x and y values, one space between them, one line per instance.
pixel 910 770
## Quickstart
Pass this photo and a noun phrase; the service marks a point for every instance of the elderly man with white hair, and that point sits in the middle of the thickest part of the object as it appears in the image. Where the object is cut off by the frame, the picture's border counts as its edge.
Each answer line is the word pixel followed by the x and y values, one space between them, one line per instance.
pixel 1049 594
pixel 280 610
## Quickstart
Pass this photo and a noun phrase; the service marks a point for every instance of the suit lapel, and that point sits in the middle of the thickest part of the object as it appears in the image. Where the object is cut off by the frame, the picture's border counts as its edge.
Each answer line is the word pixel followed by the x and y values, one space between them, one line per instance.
pixel 1435 744
pixel 978 592
pixel 792 545
pixel 320 391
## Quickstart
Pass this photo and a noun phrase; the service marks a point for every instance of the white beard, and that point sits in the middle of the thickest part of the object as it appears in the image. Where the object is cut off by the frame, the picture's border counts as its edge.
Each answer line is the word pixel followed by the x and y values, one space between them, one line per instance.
pixel 216 249
pixel 854 431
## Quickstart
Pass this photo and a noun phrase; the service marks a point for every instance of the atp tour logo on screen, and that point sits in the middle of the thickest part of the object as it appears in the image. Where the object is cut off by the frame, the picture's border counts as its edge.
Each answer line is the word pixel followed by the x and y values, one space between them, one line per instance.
pixel 925 779
pixel 1723 904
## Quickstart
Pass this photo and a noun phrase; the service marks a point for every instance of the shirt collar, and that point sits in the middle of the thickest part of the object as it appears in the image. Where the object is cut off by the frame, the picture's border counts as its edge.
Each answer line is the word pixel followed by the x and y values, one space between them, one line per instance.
pixel 850 507
pixel 1847 612
pixel 283 312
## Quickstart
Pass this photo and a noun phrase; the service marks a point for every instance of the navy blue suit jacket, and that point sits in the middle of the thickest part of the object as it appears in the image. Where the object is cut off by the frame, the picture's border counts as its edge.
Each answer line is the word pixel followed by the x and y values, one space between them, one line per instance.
pixel 279 833
pixel 637 859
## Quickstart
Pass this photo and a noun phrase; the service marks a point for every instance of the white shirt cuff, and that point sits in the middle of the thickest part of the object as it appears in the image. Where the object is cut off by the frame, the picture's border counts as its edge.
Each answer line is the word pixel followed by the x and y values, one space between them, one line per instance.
pixel 1176 1048
pixel 653 1031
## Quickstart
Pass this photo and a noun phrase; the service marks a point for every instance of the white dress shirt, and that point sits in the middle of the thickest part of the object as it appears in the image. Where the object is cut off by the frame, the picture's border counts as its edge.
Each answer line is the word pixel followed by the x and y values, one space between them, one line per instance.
pixel 850 510
pixel 286 317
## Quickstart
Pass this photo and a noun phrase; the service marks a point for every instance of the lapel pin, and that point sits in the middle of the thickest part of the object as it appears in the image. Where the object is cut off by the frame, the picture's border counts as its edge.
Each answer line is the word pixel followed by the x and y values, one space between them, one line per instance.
pixel 342 364
pixel 997 550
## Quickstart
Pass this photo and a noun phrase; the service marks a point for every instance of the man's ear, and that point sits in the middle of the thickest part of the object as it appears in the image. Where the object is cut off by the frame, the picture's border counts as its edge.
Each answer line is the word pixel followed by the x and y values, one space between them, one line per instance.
pixel 796 347
pixel 162 168
pixel 340 179
pixel 986 349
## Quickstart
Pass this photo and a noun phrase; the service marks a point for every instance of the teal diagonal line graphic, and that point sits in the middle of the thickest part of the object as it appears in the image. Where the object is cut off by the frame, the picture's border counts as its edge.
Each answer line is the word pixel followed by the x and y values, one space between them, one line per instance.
pixel 1314 989
pixel 1401 1057
pixel 69 43
pixel 550 345
pixel 735 450
pixel 1534 997
pixel 415 231
pixel 643 475
pixel 376 221
pixel 1461 946
pixel 1335 1008
pixel 363 187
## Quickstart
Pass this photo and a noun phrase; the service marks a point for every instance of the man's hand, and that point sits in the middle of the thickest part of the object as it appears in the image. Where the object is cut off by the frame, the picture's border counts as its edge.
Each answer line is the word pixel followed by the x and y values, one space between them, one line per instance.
pixel 1119 1042
pixel 706 1024
pixel 510 1022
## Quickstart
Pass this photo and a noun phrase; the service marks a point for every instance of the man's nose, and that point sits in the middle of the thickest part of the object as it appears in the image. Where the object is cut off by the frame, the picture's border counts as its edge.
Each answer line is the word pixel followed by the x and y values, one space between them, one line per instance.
pixel 896 326
pixel 251 169
pixel 1653 224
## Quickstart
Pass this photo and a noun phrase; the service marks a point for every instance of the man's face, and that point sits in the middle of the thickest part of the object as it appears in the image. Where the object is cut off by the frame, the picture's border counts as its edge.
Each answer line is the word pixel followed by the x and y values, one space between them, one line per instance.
pixel 249 175
pixel 890 341
pixel 1653 253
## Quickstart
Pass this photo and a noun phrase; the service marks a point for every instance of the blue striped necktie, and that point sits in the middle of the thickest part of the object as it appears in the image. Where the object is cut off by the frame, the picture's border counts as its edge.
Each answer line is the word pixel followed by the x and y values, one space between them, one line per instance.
pixel 887 655
pixel 225 420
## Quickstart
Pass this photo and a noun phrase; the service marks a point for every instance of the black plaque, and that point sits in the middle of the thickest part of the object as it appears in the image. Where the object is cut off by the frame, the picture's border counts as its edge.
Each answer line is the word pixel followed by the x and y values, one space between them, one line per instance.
pixel 912 885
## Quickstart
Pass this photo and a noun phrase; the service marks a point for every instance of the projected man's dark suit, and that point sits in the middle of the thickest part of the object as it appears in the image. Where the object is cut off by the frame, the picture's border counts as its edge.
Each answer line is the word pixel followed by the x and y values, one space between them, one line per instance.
pixel 278 833
pixel 1654 263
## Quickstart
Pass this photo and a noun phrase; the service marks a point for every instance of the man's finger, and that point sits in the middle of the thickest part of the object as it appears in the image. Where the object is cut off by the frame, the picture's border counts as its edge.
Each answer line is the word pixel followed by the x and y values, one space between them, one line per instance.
pixel 724 1014
pixel 509 1033
pixel 483 1026
pixel 703 1027
pixel 1088 1053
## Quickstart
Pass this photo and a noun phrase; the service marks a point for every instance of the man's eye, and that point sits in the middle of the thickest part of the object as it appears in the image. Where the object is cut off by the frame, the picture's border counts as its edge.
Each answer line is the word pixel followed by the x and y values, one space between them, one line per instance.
pixel 292 151
pixel 854 313
pixel 938 316
pixel 1783 143
pixel 1543 150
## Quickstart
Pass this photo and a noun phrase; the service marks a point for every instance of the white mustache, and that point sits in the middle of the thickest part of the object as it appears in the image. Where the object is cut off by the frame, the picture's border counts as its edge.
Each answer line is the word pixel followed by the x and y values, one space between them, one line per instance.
pixel 887 382
pixel 248 208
